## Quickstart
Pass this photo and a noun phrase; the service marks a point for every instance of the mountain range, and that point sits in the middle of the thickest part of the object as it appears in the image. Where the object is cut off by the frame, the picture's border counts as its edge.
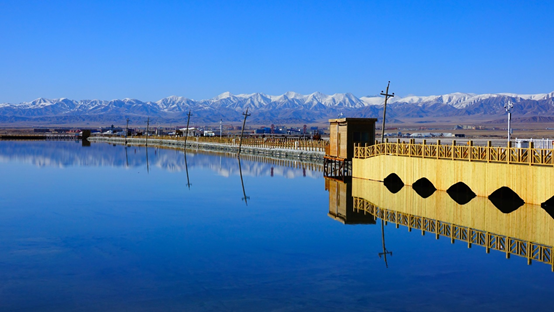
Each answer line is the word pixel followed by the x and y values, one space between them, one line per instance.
pixel 290 107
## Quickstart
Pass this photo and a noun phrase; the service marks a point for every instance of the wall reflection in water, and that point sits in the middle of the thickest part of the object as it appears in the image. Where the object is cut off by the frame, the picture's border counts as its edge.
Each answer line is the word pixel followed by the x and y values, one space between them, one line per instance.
pixel 527 231
pixel 341 204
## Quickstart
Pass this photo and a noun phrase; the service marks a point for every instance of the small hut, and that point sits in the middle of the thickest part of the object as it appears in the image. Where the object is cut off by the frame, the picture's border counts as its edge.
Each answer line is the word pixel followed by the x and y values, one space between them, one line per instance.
pixel 344 133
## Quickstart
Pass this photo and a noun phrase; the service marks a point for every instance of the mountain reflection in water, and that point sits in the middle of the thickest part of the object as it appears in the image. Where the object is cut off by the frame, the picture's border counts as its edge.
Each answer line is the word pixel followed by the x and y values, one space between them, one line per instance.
pixel 527 231
pixel 65 154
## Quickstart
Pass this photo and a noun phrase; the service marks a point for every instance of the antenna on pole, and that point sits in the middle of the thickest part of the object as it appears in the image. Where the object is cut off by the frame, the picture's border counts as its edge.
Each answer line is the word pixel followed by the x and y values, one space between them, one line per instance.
pixel 387 95
pixel 508 106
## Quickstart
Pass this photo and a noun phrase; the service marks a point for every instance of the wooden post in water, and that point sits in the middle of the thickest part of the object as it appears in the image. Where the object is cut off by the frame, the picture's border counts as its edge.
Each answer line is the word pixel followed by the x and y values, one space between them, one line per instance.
pixel 242 131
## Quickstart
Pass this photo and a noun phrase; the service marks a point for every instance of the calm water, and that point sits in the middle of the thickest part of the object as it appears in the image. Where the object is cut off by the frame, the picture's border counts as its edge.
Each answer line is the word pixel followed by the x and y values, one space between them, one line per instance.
pixel 101 229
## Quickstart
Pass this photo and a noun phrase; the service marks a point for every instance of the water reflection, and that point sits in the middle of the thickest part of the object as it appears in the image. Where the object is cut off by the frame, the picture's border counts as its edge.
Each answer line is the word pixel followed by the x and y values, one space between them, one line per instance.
pixel 147 163
pixel 126 158
pixel 461 193
pixel 65 154
pixel 111 238
pixel 341 206
pixel 385 251
pixel 244 197
pixel 424 187
pixel 506 200
pixel 527 231
pixel 393 183
pixel 187 170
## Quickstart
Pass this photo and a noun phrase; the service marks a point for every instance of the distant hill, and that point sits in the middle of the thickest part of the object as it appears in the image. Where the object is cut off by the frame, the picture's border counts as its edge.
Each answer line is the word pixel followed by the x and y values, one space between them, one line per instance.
pixel 532 119
pixel 286 108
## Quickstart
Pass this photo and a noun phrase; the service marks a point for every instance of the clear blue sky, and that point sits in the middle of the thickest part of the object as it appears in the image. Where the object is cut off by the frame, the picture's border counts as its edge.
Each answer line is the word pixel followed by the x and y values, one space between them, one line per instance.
pixel 199 49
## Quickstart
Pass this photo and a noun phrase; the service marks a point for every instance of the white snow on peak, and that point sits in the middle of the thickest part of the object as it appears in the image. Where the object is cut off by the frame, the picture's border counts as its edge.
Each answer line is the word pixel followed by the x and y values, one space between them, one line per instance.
pixel 373 100
pixel 176 98
pixel 317 96
pixel 223 95
pixel 294 95
pixel 535 97
pixel 288 100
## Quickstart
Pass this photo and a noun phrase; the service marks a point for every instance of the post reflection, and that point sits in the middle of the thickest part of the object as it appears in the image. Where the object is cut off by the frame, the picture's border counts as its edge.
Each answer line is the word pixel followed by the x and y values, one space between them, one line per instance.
pixel 187 169
pixel 126 158
pixel 244 197
pixel 385 251
pixel 147 163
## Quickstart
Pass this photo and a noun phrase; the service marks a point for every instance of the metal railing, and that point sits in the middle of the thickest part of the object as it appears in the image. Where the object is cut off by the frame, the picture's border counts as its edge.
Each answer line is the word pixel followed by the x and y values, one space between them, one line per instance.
pixel 509 245
pixel 469 152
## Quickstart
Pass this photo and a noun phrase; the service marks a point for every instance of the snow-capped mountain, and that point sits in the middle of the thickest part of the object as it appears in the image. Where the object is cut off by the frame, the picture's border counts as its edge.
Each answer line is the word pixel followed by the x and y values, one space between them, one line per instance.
pixel 288 107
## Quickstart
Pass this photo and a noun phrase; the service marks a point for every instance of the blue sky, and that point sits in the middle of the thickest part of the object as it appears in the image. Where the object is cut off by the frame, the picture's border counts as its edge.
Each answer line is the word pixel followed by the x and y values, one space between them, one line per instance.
pixel 199 49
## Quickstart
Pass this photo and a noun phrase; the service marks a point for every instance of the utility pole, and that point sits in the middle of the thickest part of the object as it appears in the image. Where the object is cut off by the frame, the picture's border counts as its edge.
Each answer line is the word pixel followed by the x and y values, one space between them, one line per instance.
pixel 387 95
pixel 126 131
pixel 242 131
pixel 508 106
pixel 220 129
pixel 147 128
pixel 187 130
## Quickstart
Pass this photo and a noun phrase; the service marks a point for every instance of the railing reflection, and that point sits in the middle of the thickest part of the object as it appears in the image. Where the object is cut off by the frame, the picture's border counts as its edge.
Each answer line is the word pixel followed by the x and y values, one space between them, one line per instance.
pixel 509 245
pixel 527 232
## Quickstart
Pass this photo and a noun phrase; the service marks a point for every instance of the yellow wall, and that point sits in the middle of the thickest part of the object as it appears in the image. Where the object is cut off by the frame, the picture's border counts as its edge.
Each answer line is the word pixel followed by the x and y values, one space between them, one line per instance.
pixel 534 184
pixel 529 222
